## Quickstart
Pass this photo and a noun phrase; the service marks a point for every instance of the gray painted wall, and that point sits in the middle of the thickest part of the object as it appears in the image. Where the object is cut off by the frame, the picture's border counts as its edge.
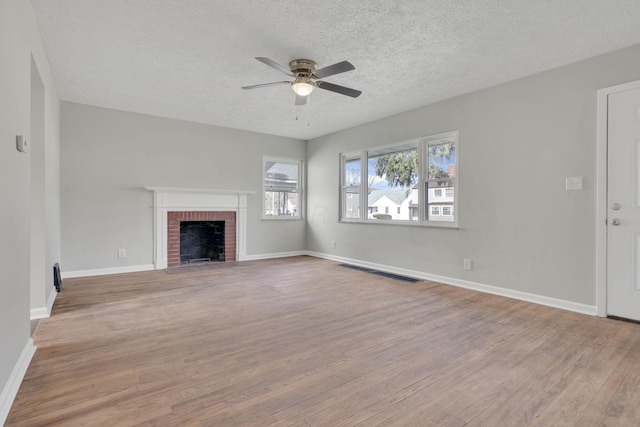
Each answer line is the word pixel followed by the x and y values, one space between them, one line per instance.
pixel 108 156
pixel 518 142
pixel 19 40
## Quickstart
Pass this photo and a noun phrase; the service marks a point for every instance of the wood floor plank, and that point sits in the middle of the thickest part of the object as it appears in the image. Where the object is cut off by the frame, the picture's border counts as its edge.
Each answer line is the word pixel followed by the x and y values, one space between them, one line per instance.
pixel 305 342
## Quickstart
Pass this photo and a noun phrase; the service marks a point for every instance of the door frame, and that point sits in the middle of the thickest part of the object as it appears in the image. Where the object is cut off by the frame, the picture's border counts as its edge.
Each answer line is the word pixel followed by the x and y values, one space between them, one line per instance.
pixel 601 192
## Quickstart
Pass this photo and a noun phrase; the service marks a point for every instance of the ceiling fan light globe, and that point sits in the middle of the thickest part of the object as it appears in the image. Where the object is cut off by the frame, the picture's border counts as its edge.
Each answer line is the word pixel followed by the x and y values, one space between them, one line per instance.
pixel 302 88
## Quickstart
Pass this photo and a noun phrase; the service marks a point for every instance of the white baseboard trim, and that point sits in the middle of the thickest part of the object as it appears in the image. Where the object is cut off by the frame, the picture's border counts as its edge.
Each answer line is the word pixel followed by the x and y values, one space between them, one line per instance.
pixel 273 255
pixel 509 293
pixel 39 313
pixel 15 379
pixel 44 312
pixel 105 271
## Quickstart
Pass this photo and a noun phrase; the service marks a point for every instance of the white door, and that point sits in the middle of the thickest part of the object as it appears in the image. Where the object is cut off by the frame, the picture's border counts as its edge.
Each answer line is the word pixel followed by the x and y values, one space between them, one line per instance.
pixel 623 205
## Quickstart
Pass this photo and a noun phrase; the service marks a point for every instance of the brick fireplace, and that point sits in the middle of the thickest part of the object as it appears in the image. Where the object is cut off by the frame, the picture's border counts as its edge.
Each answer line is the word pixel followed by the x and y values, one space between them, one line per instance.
pixel 174 219
pixel 171 206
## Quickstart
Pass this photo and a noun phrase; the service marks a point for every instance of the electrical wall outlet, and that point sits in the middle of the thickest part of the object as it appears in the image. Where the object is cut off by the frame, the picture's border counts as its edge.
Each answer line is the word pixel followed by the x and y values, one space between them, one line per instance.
pixel 333 244
pixel 467 264
pixel 122 253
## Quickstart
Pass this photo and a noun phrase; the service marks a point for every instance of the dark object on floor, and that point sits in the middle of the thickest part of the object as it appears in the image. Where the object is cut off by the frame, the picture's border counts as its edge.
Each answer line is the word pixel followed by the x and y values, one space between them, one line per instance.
pixel 57 277
pixel 381 273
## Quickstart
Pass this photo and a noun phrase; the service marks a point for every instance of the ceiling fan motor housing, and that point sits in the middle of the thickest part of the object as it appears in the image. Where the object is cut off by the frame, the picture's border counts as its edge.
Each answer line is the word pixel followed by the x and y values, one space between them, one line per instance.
pixel 302 67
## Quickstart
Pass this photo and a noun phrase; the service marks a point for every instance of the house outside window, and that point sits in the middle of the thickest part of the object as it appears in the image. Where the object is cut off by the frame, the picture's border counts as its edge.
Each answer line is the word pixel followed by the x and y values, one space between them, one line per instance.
pixel 281 184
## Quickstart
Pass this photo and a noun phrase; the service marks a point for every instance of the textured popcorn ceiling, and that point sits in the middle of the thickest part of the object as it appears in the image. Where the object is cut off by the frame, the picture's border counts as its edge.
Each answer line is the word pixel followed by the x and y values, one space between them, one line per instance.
pixel 187 59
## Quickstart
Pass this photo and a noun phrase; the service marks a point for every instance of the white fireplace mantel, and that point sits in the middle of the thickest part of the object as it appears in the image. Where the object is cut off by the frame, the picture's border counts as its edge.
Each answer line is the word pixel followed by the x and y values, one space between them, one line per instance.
pixel 168 199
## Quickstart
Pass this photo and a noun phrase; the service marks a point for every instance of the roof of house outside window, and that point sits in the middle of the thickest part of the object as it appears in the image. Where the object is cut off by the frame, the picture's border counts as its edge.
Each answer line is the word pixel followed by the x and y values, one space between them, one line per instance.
pixel 396 196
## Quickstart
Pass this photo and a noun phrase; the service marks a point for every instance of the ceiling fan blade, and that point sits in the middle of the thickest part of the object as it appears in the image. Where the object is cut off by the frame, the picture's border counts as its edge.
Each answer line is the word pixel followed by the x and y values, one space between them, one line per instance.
pixel 275 65
pixel 338 68
pixel 266 85
pixel 338 89
pixel 301 100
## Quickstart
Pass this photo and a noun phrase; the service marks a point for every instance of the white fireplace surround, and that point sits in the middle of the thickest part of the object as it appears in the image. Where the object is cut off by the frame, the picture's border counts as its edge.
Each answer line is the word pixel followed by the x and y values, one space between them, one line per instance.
pixel 167 199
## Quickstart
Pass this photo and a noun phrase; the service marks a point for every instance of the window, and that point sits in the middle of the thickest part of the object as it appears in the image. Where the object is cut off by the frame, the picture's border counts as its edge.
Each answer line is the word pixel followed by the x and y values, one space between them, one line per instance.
pixel 441 154
pixel 351 178
pixel 392 173
pixel 281 189
pixel 416 177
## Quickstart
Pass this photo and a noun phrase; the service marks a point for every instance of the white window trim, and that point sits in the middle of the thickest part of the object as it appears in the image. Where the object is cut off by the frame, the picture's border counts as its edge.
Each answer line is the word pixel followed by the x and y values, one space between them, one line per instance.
pixel 300 187
pixel 423 144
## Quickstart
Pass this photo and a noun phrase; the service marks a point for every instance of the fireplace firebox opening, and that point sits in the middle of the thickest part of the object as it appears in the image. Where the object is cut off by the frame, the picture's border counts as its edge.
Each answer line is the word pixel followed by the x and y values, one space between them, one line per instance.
pixel 201 241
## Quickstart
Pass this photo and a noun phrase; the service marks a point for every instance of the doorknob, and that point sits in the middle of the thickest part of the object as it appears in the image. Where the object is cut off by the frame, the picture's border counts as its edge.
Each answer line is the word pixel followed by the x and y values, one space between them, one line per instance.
pixel 615 221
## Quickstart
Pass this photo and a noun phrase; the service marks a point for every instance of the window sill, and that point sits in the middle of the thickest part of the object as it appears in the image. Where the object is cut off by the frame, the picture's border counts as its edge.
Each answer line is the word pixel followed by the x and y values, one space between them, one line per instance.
pixel 433 224
pixel 281 218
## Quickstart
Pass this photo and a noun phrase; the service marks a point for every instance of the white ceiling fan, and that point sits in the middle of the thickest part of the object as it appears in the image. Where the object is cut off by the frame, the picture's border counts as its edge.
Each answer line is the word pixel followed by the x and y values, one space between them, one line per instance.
pixel 306 75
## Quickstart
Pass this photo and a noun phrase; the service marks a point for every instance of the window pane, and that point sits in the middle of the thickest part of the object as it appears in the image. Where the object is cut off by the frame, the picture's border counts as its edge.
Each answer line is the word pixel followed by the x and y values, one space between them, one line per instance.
pixel 280 203
pixel 352 172
pixel 281 189
pixel 281 176
pixel 352 203
pixel 439 208
pixel 392 181
pixel 441 160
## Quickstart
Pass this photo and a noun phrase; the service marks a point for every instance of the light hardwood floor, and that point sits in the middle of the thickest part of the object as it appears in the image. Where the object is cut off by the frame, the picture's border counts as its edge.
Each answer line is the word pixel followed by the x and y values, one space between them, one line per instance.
pixel 306 342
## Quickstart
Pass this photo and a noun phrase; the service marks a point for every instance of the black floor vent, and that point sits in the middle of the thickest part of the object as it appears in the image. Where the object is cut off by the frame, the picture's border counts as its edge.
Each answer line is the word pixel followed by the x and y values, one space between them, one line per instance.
pixel 381 273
